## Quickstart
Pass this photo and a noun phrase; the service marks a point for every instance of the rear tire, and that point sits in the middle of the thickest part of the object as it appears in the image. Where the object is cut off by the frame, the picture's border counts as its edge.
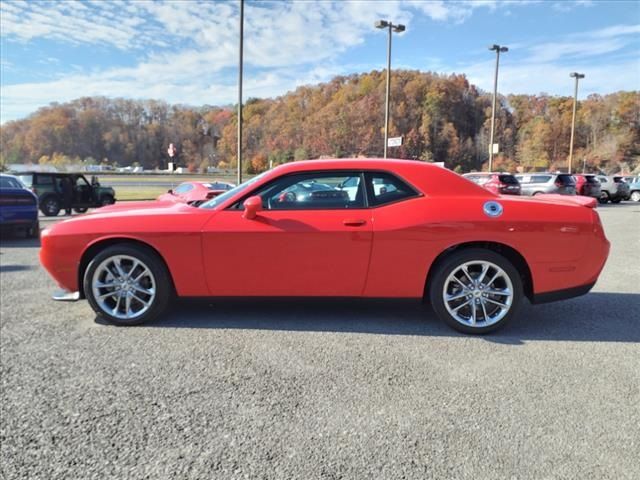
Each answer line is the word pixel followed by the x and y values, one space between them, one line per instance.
pixel 127 285
pixel 106 200
pixel 635 196
pixel 50 206
pixel 479 302
pixel 604 197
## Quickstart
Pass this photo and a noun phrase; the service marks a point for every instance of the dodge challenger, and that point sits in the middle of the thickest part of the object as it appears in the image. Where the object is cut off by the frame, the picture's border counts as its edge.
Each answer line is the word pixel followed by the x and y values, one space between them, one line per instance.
pixel 371 228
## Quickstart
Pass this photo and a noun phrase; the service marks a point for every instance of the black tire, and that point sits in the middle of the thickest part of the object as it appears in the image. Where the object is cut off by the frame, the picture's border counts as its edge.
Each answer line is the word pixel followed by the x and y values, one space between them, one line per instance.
pixel 50 206
pixel 106 200
pixel 635 196
pixel 604 197
pixel 80 209
pixel 452 263
pixel 162 279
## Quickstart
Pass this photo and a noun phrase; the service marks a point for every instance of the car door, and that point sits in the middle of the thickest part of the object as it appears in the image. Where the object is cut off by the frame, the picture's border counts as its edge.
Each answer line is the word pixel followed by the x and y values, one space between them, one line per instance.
pixel 310 239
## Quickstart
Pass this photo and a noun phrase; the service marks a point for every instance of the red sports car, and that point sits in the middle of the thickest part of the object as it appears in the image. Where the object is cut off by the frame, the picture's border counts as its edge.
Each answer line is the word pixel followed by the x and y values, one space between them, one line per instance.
pixel 322 228
pixel 195 193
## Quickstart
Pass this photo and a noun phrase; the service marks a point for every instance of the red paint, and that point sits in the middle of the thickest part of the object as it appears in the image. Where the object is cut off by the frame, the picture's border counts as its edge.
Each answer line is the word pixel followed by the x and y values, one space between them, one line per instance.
pixel 373 252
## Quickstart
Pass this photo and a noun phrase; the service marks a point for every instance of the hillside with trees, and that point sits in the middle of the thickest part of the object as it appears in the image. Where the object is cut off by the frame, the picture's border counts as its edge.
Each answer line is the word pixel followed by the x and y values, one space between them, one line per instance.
pixel 442 118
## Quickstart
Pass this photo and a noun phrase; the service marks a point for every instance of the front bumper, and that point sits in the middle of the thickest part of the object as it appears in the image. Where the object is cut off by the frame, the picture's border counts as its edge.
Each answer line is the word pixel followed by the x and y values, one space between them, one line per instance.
pixel 62 295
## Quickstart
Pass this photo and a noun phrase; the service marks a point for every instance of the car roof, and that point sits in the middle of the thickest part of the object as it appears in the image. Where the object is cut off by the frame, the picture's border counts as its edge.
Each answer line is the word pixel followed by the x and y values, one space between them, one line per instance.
pixel 431 179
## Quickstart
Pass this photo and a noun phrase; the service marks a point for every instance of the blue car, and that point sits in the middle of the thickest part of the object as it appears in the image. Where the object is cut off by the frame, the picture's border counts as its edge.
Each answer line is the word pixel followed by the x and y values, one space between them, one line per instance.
pixel 18 207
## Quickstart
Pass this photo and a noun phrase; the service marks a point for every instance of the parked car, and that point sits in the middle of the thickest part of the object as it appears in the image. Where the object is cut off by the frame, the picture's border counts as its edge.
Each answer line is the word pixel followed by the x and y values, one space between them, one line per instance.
pixel 195 193
pixel 587 185
pixel 613 189
pixel 473 254
pixel 48 187
pixel 500 183
pixel 634 188
pixel 18 207
pixel 537 183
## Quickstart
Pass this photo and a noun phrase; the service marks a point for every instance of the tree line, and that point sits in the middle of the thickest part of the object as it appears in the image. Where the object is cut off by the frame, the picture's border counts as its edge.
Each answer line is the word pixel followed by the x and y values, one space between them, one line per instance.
pixel 442 118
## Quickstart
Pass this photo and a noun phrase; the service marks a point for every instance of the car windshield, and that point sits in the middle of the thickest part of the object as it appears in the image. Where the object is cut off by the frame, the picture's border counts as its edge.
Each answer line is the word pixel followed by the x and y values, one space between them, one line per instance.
pixel 26 180
pixel 509 179
pixel 9 182
pixel 220 199
pixel 566 180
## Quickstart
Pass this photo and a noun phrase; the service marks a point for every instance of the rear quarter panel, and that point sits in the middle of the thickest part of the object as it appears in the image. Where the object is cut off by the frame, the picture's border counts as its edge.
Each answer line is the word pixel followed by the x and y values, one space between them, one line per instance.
pixel 410 235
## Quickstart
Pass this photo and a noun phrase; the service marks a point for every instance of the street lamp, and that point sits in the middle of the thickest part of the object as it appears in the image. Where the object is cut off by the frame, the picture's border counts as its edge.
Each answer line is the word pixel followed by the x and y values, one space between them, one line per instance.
pixel 577 76
pixel 498 49
pixel 395 28
pixel 240 51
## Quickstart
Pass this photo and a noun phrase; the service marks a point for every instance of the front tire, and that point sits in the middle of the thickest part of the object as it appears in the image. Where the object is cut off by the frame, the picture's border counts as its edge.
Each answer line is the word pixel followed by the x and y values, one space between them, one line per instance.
pixel 604 197
pixel 127 284
pixel 635 196
pixel 106 200
pixel 475 291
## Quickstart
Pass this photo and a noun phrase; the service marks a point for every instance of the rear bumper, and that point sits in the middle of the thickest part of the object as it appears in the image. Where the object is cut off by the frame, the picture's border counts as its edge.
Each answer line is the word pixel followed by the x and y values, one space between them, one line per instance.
pixel 564 294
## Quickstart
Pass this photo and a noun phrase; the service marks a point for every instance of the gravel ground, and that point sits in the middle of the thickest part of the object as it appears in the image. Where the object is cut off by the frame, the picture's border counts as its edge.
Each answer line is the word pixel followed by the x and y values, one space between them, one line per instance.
pixel 316 390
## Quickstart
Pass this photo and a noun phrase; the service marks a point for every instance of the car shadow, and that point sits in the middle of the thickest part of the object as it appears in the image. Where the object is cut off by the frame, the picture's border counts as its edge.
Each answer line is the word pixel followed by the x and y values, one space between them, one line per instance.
pixel 18 241
pixel 596 317
pixel 15 268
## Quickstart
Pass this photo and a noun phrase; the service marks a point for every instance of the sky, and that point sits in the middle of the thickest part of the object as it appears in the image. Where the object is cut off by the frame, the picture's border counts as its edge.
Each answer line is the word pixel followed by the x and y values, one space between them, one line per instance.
pixel 186 51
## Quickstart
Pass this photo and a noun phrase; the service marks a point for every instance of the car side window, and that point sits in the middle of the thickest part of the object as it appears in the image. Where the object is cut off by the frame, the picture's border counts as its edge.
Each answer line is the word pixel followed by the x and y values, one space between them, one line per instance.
pixel 314 191
pixel 384 188
pixel 43 180
pixel 540 178
pixel 184 188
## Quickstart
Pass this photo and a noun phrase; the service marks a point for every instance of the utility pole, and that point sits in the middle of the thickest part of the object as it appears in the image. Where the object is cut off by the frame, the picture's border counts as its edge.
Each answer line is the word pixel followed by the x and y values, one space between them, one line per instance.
pixel 497 49
pixel 239 152
pixel 577 76
pixel 391 28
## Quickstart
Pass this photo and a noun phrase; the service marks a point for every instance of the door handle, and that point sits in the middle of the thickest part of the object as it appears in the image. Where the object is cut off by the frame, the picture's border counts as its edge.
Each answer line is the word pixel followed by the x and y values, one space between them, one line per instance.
pixel 354 222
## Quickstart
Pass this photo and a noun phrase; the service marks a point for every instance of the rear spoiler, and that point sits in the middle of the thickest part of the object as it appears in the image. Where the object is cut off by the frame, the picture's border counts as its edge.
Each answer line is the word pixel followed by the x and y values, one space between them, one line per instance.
pixel 588 202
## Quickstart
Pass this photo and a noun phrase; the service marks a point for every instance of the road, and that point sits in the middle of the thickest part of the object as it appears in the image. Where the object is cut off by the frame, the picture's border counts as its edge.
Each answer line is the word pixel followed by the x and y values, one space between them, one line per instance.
pixel 322 390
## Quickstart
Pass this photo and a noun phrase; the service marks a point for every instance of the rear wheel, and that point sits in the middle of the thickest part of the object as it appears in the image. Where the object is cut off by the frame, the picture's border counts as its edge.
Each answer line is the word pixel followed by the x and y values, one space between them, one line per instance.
pixel 604 197
pixel 50 206
pixel 635 196
pixel 106 200
pixel 127 285
pixel 475 291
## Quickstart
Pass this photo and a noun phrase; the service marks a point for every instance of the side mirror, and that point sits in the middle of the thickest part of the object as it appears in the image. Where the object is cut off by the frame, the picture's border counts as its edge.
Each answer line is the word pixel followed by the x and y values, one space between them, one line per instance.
pixel 252 206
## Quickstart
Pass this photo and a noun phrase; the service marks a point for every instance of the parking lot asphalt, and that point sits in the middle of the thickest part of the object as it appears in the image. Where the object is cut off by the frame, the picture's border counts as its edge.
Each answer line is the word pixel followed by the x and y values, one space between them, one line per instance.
pixel 322 390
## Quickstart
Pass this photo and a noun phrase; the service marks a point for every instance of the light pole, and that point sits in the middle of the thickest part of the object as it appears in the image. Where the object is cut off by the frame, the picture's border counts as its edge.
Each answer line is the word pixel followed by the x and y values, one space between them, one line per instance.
pixel 239 153
pixel 498 49
pixel 395 28
pixel 577 76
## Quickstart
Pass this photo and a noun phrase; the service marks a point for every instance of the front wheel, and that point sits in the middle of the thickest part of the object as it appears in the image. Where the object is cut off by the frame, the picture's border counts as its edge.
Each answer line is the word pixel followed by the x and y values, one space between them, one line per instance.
pixel 106 200
pixel 127 284
pixel 635 196
pixel 604 197
pixel 475 291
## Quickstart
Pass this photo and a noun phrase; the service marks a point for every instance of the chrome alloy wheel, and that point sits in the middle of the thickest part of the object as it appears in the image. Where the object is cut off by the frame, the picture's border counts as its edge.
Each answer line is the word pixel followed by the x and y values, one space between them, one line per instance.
pixel 123 287
pixel 478 293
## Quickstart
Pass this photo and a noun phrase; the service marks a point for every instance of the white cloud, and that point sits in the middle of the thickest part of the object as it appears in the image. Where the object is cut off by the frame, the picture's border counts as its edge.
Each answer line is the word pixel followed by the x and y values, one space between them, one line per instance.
pixel 186 50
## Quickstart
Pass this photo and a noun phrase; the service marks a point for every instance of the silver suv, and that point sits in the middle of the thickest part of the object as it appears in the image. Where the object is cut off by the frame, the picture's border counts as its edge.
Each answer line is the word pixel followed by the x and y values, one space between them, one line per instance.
pixel 536 183
pixel 613 188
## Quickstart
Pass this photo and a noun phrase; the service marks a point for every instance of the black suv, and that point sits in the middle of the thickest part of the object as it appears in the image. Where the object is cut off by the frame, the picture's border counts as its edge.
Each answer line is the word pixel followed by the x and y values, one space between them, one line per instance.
pixel 48 187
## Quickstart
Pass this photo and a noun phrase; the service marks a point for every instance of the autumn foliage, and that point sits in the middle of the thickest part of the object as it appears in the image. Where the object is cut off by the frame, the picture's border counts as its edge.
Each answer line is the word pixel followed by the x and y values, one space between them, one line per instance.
pixel 441 118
